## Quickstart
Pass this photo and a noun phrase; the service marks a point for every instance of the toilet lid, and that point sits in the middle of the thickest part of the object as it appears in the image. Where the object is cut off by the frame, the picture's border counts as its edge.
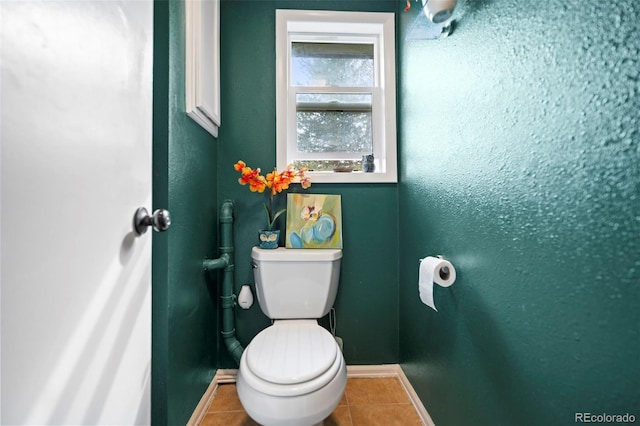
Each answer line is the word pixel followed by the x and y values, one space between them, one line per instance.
pixel 291 351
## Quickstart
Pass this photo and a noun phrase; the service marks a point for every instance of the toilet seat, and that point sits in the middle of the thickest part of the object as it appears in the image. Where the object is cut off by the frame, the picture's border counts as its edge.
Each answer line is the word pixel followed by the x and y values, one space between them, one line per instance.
pixel 292 357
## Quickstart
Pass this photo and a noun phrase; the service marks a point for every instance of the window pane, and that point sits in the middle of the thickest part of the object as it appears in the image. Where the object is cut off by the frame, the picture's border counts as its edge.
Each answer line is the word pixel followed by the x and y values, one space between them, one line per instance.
pixel 334 122
pixel 332 64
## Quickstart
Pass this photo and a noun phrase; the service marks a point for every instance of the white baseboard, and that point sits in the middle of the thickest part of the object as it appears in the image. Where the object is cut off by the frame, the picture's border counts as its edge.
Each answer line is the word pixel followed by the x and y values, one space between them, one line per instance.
pixel 222 376
pixel 353 371
pixel 392 370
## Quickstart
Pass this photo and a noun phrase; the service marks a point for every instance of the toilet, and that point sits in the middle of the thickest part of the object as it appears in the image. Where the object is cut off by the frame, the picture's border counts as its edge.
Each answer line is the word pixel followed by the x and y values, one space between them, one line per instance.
pixel 293 372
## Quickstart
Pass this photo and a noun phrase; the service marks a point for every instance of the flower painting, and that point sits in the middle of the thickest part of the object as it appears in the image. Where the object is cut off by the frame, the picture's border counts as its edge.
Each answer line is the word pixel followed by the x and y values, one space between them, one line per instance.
pixel 314 221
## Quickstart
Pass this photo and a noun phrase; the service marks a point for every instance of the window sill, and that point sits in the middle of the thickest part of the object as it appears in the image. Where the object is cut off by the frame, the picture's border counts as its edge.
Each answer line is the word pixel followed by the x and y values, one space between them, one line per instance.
pixel 352 177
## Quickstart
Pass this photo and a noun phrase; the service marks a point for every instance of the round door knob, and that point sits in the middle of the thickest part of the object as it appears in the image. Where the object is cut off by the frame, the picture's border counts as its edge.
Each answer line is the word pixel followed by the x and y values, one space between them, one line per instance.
pixel 160 220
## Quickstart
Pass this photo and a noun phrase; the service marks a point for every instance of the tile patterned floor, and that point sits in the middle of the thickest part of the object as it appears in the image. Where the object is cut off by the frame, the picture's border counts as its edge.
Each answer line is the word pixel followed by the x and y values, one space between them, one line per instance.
pixel 366 402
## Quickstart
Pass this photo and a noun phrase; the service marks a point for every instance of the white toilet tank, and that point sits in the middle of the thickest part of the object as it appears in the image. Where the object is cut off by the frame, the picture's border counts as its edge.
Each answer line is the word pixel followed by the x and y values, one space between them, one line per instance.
pixel 296 283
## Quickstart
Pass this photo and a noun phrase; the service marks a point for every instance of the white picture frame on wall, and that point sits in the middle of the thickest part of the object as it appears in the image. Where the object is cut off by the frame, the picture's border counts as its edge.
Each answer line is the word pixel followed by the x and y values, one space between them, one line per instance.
pixel 202 62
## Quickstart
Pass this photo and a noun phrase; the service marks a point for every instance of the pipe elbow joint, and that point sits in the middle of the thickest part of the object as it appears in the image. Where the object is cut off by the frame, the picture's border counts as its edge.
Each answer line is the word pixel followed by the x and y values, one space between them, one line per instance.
pixel 219 263
pixel 226 211
pixel 235 348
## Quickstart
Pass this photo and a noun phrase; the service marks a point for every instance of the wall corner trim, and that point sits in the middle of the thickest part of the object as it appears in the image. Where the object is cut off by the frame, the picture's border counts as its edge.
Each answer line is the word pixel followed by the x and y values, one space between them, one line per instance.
pixel 221 376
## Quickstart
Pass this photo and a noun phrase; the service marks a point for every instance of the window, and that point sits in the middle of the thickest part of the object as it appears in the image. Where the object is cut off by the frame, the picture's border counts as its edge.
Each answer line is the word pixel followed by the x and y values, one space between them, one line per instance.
pixel 335 93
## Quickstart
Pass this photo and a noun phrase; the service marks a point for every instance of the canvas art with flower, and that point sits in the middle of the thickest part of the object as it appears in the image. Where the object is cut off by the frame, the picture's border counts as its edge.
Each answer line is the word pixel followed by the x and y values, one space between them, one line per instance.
pixel 275 182
pixel 314 221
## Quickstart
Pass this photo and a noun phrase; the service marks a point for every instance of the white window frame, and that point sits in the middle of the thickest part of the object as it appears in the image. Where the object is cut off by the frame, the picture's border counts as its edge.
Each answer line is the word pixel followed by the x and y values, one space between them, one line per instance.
pixel 344 27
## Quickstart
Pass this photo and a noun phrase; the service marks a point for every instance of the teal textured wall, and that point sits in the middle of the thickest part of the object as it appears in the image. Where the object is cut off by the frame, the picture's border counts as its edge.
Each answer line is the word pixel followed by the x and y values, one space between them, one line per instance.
pixel 185 325
pixel 367 301
pixel 520 149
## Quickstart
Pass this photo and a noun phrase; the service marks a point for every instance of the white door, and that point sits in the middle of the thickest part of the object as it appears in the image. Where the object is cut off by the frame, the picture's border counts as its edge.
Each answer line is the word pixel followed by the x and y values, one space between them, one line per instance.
pixel 76 92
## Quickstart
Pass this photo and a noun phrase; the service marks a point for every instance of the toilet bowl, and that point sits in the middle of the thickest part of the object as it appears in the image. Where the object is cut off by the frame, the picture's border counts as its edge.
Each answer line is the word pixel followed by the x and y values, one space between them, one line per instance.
pixel 292 373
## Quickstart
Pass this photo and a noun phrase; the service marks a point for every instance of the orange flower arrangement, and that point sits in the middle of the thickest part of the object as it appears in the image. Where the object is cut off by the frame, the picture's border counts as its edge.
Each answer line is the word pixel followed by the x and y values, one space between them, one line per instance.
pixel 275 181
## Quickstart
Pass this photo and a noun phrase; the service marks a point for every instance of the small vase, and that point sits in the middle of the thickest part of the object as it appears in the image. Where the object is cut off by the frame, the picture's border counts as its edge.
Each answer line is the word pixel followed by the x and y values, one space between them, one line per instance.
pixel 269 239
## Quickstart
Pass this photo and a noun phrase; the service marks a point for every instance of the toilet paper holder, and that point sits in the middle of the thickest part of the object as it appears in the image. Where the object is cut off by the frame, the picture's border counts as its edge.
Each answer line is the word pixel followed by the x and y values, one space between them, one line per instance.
pixel 444 272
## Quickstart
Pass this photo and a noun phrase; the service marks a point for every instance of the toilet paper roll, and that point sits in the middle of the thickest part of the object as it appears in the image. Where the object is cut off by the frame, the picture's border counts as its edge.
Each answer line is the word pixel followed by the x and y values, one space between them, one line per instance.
pixel 434 270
